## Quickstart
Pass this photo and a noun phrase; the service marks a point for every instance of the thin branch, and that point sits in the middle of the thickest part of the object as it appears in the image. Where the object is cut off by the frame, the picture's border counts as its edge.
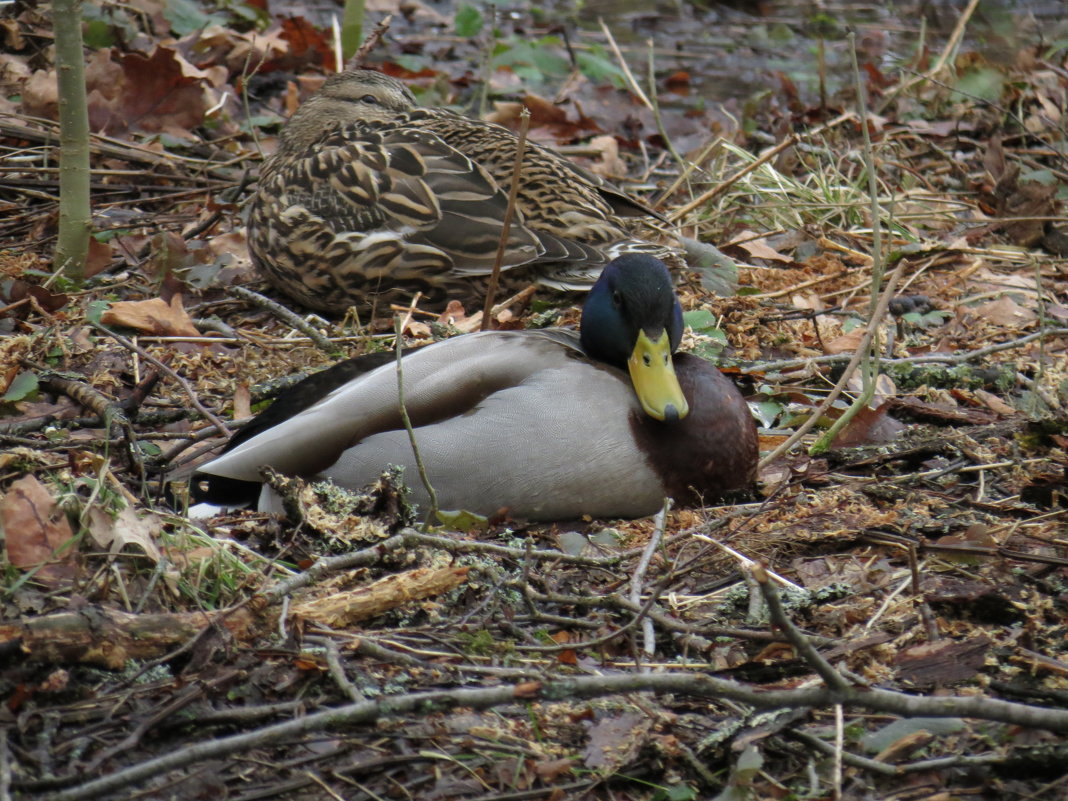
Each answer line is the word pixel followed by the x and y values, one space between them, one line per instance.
pixel 287 316
pixel 858 355
pixel 509 213
pixel 185 385
pixel 797 639
pixel 697 685
pixel 371 42
pixel 433 508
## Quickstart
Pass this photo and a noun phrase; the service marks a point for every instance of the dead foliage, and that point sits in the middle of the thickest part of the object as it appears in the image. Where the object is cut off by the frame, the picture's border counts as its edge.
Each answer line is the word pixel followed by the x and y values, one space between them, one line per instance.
pixel 916 644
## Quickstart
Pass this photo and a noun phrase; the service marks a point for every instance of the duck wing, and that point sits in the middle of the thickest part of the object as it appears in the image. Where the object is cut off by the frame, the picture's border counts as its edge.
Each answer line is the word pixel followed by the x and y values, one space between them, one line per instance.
pixel 370 204
pixel 441 381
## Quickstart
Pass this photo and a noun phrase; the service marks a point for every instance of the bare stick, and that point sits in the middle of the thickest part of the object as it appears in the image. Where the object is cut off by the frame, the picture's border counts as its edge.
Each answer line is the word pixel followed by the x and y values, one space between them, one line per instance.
pixel 862 348
pixel 947 52
pixel 411 432
pixel 370 42
pixel 726 184
pixel 287 316
pixel 698 685
pixel 506 224
pixel 869 360
pixel 636 580
pixel 797 639
pixel 185 385
pixel 632 84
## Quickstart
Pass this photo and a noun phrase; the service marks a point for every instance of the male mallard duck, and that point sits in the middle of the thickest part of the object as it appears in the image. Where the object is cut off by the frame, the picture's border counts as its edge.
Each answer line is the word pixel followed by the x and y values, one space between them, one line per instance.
pixel 370 198
pixel 547 424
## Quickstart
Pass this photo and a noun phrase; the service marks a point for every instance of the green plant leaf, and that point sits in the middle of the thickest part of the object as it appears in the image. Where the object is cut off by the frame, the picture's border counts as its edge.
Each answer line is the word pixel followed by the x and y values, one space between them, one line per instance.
pixel 94 309
pixel 468 21
pixel 97 34
pixel 25 384
pixel 700 320
pixel 598 68
pixel 185 17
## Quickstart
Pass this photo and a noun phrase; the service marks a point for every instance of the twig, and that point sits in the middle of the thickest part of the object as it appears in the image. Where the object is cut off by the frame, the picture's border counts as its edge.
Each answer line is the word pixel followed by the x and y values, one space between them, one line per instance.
pixel 321 567
pixel 229 196
pixel 697 685
pixel 337 670
pixel 433 509
pixel 185 385
pixel 639 616
pixel 108 412
pixel 745 561
pixel 862 348
pixel 658 117
pixel 869 357
pixel 638 576
pixel 412 537
pixel 797 639
pixel 370 42
pixel 632 84
pixel 723 186
pixel 864 763
pixel 290 318
pixel 726 184
pixel 947 52
pixel 929 358
pixel 506 223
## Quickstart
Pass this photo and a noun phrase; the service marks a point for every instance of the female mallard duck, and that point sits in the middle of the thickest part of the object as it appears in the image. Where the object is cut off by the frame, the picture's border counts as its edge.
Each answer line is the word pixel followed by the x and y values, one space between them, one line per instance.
pixel 370 198
pixel 547 424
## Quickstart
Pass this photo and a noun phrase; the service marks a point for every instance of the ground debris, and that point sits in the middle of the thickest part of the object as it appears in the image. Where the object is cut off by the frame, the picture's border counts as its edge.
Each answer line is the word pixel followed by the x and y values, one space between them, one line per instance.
pixel 920 559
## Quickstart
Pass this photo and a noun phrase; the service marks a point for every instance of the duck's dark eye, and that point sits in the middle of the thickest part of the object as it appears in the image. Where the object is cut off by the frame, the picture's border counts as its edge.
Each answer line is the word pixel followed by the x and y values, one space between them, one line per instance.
pixel 617 300
pixel 369 99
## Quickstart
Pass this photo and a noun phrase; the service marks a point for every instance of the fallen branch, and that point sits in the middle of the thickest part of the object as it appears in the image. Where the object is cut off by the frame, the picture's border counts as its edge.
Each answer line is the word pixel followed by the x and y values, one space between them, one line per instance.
pixel 698 685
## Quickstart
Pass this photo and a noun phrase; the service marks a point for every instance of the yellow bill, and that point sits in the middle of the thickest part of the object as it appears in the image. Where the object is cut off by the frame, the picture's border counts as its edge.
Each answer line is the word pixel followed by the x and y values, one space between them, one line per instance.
pixel 653 375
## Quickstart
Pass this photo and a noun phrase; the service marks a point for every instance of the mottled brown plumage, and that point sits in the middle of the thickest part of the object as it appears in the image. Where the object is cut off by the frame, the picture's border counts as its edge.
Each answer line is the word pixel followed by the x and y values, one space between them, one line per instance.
pixel 370 198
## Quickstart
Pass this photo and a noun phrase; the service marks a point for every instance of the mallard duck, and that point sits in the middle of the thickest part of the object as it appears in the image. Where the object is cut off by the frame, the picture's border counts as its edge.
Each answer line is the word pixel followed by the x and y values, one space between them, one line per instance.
pixel 369 198
pixel 548 424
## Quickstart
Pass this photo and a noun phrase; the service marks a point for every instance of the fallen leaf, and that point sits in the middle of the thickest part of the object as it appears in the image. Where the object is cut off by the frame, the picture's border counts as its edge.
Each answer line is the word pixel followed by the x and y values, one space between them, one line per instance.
pixel 1007 312
pixel 609 164
pixel 242 401
pixel 869 426
pixel 99 257
pixel 160 91
pixel 36 530
pixel 615 741
pixel 994 403
pixel 847 343
pixel 113 534
pixel 152 317
pixel 759 249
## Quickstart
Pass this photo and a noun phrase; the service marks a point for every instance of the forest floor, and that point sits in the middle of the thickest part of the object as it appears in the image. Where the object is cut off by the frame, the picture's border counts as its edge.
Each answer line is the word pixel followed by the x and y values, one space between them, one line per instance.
pixel 882 617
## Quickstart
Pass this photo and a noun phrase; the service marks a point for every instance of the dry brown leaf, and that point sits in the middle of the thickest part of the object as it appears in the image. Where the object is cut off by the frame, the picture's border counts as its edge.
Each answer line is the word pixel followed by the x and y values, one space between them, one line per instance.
pixel 847 343
pixel 242 401
pixel 113 534
pixel 40 95
pixel 152 317
pixel 993 402
pixel 35 528
pixel 609 164
pixel 160 91
pixel 99 258
pixel 759 249
pixel 1007 312
pixel 869 426
pixel 615 741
